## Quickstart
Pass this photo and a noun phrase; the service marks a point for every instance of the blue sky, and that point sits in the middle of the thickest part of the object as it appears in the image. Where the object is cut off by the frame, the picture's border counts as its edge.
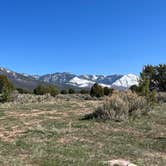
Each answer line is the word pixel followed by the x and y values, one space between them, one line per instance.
pixel 82 36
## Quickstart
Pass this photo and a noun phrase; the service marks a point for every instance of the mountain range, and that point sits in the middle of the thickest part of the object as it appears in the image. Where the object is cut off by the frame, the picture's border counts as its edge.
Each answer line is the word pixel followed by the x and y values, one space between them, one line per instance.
pixel 69 80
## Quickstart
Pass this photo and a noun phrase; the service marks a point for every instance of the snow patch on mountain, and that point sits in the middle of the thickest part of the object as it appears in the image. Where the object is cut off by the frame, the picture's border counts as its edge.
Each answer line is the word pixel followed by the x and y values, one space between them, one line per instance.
pixel 127 81
pixel 105 85
pixel 26 75
pixel 82 83
pixel 36 76
pixel 94 77
pixel 5 70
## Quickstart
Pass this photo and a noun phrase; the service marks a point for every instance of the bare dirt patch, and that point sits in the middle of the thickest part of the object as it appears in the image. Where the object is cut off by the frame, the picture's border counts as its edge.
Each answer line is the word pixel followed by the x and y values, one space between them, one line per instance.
pixel 9 136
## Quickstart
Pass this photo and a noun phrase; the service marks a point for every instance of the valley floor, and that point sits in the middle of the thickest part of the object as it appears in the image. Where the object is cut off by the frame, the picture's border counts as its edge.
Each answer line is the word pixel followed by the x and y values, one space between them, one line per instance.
pixel 51 133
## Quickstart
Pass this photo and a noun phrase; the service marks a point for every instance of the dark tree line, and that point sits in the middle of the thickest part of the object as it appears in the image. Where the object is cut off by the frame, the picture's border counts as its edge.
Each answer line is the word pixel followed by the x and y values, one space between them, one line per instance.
pixel 42 89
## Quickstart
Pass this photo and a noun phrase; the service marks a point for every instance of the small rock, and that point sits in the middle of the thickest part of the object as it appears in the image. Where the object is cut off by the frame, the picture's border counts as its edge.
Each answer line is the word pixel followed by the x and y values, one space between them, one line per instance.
pixel 119 162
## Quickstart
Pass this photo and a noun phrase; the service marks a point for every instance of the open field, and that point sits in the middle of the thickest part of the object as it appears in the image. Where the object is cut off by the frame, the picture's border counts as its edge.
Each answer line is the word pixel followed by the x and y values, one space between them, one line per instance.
pixel 51 133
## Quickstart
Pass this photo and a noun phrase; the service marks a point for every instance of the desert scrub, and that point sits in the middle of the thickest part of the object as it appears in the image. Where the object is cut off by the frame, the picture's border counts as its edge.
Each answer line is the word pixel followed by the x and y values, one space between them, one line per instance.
pixel 136 104
pixel 161 97
pixel 121 106
pixel 31 98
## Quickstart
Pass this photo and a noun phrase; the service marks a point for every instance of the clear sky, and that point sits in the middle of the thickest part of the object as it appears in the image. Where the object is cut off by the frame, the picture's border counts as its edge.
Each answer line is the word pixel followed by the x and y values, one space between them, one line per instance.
pixel 82 36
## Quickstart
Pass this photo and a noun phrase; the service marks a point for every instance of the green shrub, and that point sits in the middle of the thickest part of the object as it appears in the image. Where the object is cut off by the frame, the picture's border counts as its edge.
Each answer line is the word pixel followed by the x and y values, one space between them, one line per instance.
pixel 41 90
pixel 23 91
pixel 52 90
pixel 107 91
pixel 84 91
pixel 64 91
pixel 71 91
pixel 97 91
pixel 152 98
pixel 6 89
pixel 135 88
pixel 145 90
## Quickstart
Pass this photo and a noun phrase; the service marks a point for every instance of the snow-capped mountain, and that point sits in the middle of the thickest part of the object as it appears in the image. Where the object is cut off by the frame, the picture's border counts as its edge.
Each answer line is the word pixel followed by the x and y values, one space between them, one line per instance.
pixel 79 81
pixel 126 81
pixel 67 80
pixel 87 81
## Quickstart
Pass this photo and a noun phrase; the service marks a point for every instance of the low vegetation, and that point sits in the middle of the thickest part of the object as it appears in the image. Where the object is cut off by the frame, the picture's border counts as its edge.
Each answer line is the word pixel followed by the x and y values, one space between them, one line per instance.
pixel 84 91
pixel 84 128
pixel 41 90
pixel 23 91
pixel 71 91
pixel 64 91
pixel 107 91
pixel 49 133
pixel 161 97
pixel 121 106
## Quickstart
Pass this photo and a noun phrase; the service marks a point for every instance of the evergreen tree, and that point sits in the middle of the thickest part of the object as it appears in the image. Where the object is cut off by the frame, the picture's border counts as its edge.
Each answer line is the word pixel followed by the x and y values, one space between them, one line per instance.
pixel 160 77
pixel 145 86
pixel 71 91
pixel 97 91
pixel 6 88
pixel 156 75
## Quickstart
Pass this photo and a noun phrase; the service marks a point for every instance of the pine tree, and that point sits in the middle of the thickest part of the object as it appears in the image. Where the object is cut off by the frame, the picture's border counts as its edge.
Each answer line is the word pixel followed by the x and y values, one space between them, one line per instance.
pixel 156 75
pixel 6 88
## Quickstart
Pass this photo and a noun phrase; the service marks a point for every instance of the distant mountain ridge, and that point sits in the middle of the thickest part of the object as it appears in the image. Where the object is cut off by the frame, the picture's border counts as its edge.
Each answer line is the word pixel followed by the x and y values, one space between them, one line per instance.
pixel 67 80
pixel 20 80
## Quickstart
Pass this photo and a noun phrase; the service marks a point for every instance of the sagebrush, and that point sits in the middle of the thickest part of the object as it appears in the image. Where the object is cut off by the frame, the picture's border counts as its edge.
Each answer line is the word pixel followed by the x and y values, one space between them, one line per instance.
pixel 121 106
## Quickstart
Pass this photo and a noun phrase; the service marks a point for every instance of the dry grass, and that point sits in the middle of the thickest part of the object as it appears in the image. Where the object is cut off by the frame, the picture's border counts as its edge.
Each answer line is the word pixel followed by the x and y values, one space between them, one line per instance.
pixel 51 134
pixel 161 97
